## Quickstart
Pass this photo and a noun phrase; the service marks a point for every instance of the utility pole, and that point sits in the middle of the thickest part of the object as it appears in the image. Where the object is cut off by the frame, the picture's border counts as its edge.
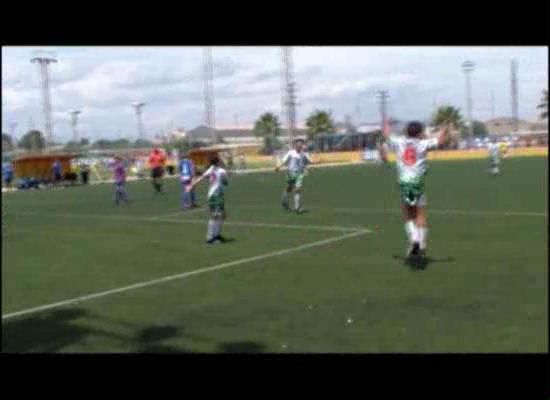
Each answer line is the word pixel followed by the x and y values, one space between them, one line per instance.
pixel 74 123
pixel 13 125
pixel 383 97
pixel 138 106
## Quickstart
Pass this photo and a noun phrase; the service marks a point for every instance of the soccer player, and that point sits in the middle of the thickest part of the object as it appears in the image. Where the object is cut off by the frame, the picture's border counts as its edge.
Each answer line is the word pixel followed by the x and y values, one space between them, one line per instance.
pixel 298 161
pixel 157 161
pixel 119 177
pixel 7 174
pixel 411 156
pixel 216 203
pixel 494 157
pixel 187 173
pixel 57 175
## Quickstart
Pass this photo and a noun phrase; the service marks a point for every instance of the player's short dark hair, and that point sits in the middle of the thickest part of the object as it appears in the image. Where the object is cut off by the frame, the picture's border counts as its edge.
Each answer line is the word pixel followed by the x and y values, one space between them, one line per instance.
pixel 299 141
pixel 214 159
pixel 414 128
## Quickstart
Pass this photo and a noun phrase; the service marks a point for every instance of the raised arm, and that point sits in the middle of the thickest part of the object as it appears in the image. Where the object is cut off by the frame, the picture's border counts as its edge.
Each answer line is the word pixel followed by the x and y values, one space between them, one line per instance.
pixel 202 177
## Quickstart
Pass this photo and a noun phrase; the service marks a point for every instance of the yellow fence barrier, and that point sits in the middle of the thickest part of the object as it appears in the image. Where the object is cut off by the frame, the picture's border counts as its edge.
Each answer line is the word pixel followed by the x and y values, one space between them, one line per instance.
pixel 354 156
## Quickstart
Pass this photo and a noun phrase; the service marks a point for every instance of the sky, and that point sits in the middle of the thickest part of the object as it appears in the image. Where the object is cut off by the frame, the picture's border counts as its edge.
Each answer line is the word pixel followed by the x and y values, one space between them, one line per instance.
pixel 102 82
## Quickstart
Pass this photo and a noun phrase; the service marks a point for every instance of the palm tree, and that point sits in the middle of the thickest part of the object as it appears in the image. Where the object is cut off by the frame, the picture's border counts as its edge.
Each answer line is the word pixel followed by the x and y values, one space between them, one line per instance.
pixel 448 115
pixel 268 127
pixel 319 122
pixel 544 105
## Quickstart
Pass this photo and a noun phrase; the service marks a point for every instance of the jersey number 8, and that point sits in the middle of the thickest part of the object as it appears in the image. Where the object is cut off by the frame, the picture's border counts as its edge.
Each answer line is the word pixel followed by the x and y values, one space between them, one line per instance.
pixel 409 156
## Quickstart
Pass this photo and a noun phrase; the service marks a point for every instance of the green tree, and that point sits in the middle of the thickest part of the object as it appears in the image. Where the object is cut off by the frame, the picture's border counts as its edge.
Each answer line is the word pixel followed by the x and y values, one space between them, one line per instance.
pixel 543 106
pixel 479 130
pixel 84 142
pixel 268 128
pixel 267 125
pixel 140 143
pixel 33 141
pixel 448 115
pixel 319 121
pixel 7 142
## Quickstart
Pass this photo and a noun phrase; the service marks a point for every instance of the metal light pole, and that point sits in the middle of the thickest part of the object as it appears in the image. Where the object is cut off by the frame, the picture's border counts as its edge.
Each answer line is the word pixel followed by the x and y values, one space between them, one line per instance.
pixel 208 89
pixel 44 60
pixel 514 87
pixel 138 106
pixel 13 125
pixel 74 123
pixel 288 93
pixel 468 67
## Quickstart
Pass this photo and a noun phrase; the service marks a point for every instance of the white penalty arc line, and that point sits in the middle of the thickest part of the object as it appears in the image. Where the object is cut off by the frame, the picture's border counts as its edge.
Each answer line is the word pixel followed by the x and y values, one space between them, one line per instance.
pixel 179 276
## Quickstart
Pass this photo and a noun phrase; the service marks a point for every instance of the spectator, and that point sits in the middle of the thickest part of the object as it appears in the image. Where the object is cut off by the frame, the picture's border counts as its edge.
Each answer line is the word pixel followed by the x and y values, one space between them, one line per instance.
pixel 7 174
pixel 57 173
pixel 84 173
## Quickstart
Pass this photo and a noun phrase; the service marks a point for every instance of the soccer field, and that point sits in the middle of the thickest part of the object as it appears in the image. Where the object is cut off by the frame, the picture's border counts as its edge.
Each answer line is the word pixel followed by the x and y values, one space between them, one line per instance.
pixel 81 275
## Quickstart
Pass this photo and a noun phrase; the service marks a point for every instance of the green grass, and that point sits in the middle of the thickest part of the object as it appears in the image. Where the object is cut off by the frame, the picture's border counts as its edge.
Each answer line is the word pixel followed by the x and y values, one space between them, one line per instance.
pixel 484 289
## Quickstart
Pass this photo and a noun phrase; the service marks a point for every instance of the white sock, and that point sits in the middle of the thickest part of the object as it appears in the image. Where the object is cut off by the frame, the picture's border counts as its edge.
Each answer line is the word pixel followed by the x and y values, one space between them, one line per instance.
pixel 422 233
pixel 297 198
pixel 211 229
pixel 410 229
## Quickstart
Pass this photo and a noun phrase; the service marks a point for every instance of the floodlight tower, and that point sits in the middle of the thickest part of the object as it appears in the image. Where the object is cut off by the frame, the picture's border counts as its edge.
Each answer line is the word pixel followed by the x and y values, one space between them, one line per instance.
pixel 208 86
pixel 514 86
pixel 383 97
pixel 74 123
pixel 138 105
pixel 44 59
pixel 288 85
pixel 468 67
pixel 13 125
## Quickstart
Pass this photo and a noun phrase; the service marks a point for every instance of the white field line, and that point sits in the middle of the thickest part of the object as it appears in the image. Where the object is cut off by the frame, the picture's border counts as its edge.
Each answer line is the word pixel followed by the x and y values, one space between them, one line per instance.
pixel 476 213
pixel 179 276
pixel 268 225
pixel 168 219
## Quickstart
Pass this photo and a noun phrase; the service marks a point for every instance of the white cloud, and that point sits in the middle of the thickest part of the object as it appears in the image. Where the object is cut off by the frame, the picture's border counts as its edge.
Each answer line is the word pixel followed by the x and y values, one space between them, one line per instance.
pixel 103 81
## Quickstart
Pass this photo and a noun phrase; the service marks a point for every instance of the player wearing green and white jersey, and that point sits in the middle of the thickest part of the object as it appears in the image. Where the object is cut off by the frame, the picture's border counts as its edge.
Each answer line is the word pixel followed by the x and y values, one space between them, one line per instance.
pixel 494 157
pixel 216 201
pixel 297 161
pixel 411 157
